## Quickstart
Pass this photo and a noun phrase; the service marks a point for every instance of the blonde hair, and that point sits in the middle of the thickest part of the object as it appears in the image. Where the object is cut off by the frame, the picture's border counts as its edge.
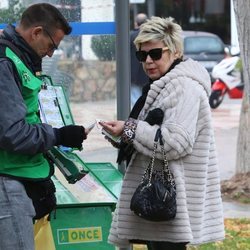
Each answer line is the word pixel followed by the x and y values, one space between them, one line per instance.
pixel 161 29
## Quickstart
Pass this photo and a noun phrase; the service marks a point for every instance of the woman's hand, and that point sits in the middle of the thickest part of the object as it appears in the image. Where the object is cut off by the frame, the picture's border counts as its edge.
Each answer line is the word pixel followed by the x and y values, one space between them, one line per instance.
pixel 113 127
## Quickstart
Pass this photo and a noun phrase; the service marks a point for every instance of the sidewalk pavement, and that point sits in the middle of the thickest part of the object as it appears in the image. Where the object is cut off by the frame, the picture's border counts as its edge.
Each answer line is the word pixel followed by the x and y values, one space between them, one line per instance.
pixel 226 121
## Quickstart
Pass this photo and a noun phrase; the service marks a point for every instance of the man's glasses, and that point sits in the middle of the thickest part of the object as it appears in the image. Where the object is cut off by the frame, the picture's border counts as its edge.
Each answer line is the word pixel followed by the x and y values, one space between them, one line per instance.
pixel 54 46
pixel 155 54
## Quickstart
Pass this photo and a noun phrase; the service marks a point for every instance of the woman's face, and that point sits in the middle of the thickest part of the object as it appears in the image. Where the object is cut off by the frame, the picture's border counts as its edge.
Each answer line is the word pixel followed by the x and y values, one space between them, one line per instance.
pixel 157 68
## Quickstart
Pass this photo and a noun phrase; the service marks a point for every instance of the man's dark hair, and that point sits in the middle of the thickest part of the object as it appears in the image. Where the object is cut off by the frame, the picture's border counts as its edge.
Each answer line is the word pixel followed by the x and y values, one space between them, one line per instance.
pixel 46 15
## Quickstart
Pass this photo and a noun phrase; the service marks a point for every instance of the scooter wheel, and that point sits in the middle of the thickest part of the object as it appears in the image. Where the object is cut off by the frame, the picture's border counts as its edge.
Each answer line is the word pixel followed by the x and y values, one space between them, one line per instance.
pixel 215 98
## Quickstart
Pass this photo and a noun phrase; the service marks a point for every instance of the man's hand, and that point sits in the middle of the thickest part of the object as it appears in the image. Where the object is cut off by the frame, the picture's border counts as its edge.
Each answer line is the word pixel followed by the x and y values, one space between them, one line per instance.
pixel 70 136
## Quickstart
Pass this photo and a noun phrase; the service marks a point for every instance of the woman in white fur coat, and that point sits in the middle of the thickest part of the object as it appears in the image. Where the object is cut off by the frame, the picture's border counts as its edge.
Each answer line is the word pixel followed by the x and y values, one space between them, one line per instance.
pixel 180 89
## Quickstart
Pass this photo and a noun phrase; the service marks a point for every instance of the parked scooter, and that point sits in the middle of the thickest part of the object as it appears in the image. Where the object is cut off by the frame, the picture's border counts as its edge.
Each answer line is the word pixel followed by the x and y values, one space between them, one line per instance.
pixel 228 75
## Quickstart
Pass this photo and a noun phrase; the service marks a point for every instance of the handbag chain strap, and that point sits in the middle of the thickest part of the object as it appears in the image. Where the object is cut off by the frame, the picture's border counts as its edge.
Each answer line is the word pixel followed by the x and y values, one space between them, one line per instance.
pixel 165 168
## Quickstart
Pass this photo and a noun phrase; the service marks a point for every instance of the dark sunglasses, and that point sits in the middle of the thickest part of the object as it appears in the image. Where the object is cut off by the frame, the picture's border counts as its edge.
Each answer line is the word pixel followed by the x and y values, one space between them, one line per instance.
pixel 54 46
pixel 155 54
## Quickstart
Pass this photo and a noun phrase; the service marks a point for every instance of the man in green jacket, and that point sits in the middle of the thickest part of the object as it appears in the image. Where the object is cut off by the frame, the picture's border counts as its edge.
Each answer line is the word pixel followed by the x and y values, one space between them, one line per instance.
pixel 24 140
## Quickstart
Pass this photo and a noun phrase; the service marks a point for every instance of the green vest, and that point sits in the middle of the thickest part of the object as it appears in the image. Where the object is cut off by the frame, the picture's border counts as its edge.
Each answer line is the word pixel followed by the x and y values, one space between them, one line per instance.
pixel 21 165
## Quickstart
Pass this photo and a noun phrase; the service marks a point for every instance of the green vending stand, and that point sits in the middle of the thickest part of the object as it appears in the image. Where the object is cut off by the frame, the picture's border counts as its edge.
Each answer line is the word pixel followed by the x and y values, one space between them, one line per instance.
pixel 84 211
pixel 86 192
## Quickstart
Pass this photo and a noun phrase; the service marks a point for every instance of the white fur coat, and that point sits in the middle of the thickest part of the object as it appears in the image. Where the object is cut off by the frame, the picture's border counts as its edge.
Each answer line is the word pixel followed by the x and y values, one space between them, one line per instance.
pixel 189 142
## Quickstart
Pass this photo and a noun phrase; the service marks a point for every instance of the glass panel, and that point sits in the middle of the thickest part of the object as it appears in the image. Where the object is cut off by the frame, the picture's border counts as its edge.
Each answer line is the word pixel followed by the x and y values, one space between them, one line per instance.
pixel 88 75
pixel 85 65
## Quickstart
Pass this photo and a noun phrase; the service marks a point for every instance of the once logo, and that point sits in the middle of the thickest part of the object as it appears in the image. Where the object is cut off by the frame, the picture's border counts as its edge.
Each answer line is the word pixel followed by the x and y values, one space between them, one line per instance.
pixel 79 235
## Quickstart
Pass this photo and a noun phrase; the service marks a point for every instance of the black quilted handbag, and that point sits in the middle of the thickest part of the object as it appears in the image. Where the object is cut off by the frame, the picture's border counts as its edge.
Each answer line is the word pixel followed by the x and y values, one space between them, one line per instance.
pixel 155 197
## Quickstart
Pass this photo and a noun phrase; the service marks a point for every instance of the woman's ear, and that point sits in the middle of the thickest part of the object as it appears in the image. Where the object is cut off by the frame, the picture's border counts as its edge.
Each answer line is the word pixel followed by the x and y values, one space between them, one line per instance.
pixel 176 55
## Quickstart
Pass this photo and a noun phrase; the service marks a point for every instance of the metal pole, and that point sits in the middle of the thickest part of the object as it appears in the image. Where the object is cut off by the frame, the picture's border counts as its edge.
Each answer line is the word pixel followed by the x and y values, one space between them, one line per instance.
pixel 135 12
pixel 122 59
pixel 122 62
pixel 151 7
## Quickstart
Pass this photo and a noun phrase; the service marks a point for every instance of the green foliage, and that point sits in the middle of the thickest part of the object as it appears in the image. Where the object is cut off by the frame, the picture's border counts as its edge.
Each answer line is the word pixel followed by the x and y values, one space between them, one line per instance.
pixel 104 47
pixel 13 13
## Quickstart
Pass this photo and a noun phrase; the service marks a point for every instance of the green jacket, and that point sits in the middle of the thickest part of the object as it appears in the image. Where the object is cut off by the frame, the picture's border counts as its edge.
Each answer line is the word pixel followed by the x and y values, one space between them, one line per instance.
pixel 21 165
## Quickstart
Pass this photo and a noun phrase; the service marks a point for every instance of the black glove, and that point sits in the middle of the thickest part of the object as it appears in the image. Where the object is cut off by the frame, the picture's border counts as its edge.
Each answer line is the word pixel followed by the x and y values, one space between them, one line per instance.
pixel 70 136
pixel 155 116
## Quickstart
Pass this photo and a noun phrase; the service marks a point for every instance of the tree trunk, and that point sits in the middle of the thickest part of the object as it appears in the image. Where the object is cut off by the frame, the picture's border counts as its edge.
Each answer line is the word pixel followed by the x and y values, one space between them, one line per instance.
pixel 242 14
pixel 243 143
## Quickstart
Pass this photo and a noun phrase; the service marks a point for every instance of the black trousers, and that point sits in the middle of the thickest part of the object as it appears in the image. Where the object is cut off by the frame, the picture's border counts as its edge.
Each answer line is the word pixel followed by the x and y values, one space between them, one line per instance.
pixel 164 245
